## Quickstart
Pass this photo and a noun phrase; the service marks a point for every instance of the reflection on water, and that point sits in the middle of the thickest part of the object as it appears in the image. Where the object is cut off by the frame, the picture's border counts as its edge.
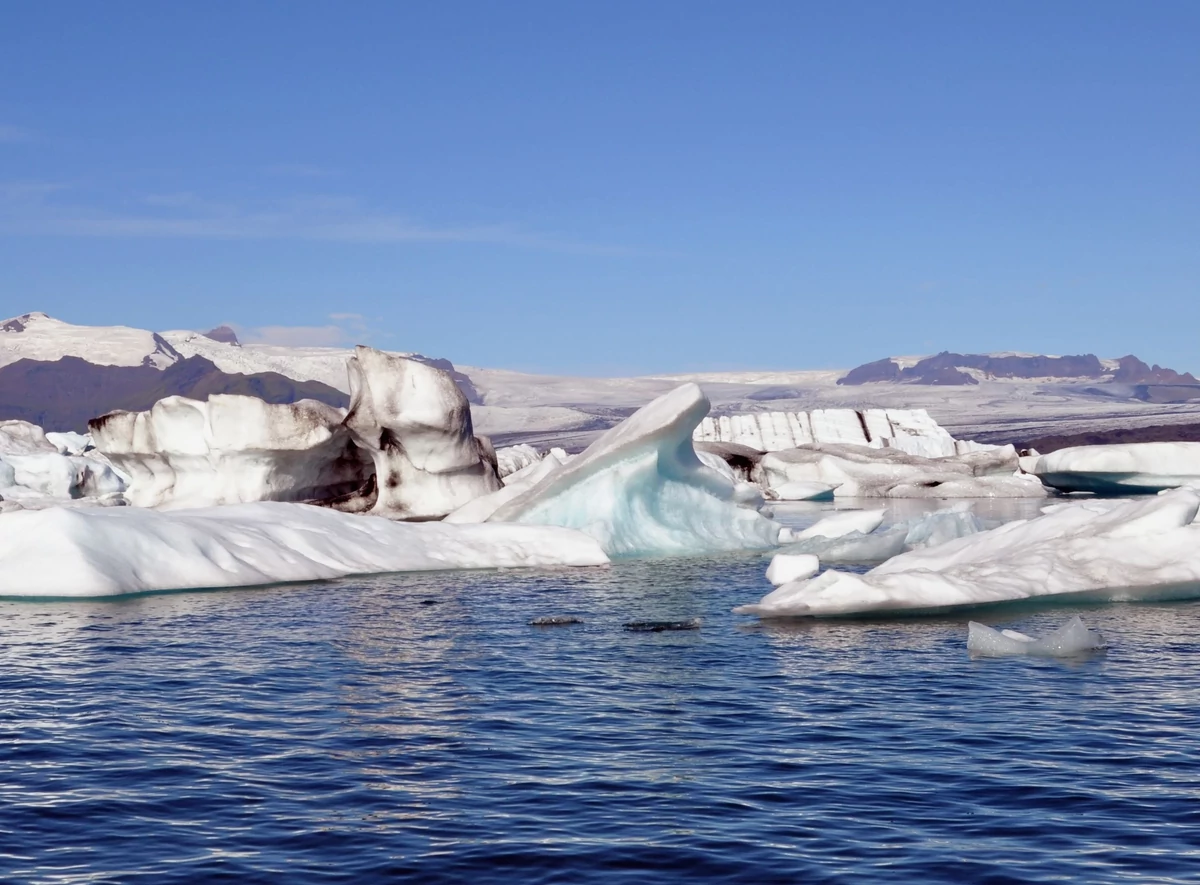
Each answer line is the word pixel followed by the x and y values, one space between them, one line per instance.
pixel 416 727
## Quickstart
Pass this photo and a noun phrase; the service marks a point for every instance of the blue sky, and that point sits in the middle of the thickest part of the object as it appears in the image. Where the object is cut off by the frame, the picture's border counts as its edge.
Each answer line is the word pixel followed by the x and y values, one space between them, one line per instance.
pixel 611 188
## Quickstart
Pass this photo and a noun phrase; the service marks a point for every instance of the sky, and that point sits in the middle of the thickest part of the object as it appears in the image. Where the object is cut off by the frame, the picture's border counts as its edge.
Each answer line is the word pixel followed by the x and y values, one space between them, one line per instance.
pixel 611 188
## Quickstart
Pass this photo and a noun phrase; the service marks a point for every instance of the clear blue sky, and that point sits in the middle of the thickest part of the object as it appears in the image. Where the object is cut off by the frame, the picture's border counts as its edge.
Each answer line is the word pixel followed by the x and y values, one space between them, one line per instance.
pixel 611 187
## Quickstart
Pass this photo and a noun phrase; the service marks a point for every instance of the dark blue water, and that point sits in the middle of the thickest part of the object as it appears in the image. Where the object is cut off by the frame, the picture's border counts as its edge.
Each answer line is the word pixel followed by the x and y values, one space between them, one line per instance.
pixel 417 728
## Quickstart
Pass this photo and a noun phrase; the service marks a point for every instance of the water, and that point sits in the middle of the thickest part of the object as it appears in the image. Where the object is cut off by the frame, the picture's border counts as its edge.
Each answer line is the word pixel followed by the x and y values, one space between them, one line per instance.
pixel 417 728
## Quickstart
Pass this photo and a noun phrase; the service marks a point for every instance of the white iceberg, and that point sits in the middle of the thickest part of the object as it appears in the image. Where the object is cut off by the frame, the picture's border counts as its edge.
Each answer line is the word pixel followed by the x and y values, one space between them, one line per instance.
pixel 1121 469
pixel 1069 640
pixel 641 489
pixel 788 567
pixel 803 491
pixel 106 552
pixel 231 449
pixel 23 438
pixel 859 471
pixel 415 423
pixel 861 521
pixel 863 544
pixel 1093 550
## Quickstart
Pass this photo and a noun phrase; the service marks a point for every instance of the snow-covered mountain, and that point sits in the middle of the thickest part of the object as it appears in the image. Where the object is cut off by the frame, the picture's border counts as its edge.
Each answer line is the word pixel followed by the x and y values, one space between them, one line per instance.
pixel 58 374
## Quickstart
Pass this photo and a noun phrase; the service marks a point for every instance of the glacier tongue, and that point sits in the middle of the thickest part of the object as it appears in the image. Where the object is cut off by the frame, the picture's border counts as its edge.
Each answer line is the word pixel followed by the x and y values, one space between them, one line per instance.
pixel 640 489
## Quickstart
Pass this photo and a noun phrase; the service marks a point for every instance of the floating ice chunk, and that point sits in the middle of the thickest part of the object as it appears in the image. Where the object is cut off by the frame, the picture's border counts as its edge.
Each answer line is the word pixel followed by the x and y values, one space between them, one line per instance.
pixel 641 489
pixel 804 491
pixel 60 476
pixel 787 567
pixel 229 450
pixel 859 471
pixel 68 552
pixel 1073 638
pixel 1096 550
pixel 861 521
pixel 514 458
pixel 1121 469
pixel 416 424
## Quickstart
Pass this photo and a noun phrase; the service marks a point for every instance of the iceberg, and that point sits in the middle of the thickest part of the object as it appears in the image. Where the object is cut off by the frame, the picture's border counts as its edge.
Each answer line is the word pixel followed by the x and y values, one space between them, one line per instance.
pixel 641 489
pixel 1121 469
pixel 1096 550
pixel 803 491
pixel 415 423
pixel 231 449
pixel 862 472
pixel 1071 639
pixel 863 544
pixel 65 552
pixel 788 567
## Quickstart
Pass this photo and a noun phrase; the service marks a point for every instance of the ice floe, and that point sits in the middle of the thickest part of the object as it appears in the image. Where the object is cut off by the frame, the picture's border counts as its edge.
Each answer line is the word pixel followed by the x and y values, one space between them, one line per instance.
pixel 1071 639
pixel 1092 549
pixel 641 489
pixel 1121 469
pixel 105 552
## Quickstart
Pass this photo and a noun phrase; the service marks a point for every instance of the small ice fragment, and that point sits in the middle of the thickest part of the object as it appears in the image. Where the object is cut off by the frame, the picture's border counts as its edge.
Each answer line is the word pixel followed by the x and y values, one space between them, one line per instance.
pixel 1072 638
pixel 787 567
pixel 555 621
pixel 864 521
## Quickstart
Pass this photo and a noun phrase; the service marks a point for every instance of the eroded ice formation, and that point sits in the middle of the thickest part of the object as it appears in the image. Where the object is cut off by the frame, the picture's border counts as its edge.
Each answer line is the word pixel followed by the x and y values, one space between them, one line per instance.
pixel 1091 549
pixel 1071 639
pixel 231 449
pixel 641 489
pixel 63 552
pixel 858 471
pixel 1121 469
pixel 34 472
pixel 415 423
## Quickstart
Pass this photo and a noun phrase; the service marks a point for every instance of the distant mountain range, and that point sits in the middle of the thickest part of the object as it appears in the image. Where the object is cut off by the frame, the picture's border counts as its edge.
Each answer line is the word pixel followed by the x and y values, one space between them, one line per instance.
pixel 60 375
pixel 1151 383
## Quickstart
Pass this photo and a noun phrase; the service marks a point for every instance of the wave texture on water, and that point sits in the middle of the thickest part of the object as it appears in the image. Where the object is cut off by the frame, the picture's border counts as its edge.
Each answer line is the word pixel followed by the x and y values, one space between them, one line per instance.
pixel 420 726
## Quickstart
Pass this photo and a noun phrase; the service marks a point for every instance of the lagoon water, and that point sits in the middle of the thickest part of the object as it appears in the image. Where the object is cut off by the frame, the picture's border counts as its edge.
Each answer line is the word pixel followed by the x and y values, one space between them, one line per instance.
pixel 418 728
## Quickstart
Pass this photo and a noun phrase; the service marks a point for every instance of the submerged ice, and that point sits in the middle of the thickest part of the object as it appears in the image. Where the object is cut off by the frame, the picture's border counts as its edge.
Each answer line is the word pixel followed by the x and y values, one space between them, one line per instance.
pixel 1071 639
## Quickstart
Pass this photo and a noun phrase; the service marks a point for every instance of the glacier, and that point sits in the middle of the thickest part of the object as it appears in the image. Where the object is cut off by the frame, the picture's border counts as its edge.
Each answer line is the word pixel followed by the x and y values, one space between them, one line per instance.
pixel 1121 469
pixel 65 552
pixel 1094 549
pixel 641 489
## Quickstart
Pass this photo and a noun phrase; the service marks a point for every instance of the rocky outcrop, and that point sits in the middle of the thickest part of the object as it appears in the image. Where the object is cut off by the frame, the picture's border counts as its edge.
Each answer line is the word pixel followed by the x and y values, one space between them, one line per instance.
pixel 66 393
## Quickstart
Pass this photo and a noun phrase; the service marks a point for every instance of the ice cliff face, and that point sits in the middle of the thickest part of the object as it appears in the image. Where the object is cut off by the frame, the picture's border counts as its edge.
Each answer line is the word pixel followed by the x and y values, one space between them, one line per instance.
pixel 415 423
pixel 641 489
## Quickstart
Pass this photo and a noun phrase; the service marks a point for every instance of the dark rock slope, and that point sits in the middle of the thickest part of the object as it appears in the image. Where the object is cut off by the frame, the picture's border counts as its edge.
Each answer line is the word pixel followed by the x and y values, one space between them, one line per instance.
pixel 66 393
pixel 947 369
